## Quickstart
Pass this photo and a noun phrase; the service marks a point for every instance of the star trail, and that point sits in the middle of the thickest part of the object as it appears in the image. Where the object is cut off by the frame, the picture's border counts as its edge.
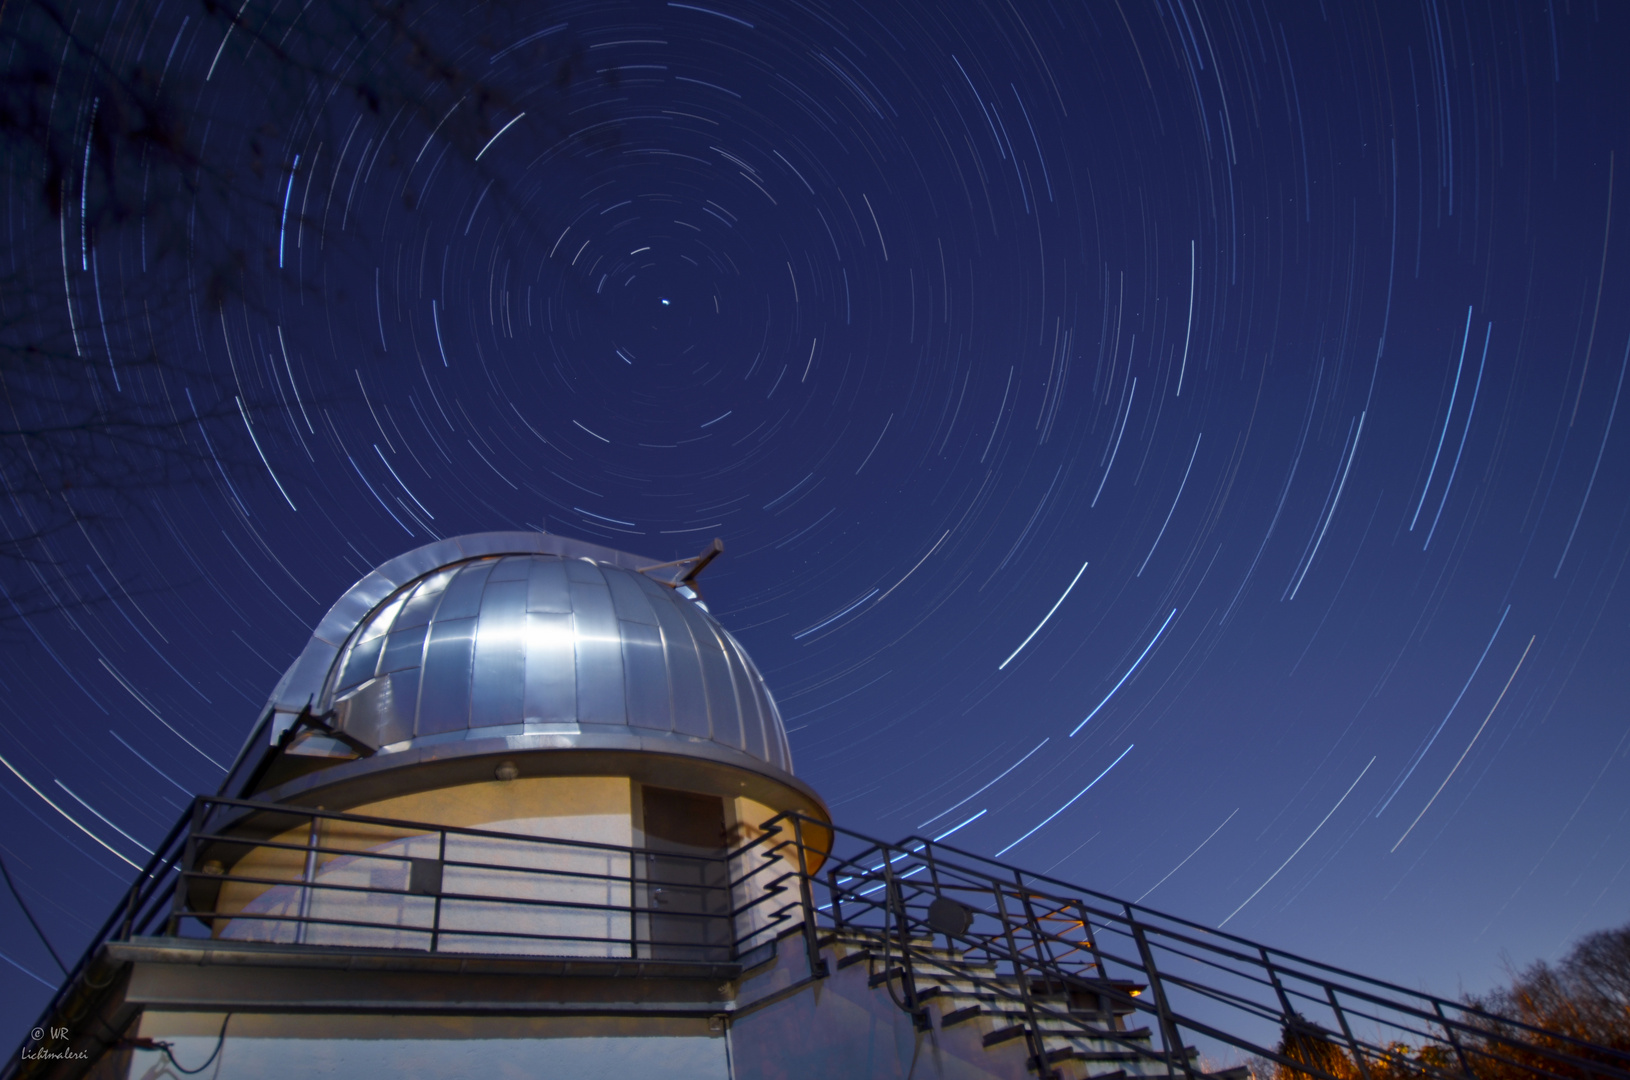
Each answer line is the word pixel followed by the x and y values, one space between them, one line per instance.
pixel 1234 379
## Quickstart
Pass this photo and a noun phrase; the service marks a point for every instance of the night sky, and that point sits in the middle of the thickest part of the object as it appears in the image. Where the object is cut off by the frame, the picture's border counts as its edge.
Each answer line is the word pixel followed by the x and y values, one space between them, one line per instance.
pixel 1201 416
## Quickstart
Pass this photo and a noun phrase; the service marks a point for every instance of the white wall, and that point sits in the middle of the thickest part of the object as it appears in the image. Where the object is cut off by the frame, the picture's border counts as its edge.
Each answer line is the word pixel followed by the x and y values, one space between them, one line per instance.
pixel 432 1048
pixel 534 879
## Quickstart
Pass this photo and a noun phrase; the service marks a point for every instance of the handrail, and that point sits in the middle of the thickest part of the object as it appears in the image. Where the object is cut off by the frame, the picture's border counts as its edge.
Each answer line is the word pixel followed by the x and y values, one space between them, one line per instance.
pixel 536 894
pixel 1042 937
pixel 1039 931
pixel 166 897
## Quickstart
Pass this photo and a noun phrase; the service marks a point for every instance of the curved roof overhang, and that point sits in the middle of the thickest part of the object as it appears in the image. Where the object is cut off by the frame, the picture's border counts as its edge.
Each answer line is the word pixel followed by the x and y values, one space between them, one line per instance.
pixel 657 758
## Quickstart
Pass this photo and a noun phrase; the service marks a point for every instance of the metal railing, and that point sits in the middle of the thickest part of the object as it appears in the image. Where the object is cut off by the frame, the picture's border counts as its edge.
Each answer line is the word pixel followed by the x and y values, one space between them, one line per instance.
pixel 1050 957
pixel 274 873
pixel 238 870
pixel 1072 962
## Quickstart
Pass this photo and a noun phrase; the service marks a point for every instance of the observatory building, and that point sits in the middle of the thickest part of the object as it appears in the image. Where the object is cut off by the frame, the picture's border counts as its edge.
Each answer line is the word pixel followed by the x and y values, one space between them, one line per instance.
pixel 522 807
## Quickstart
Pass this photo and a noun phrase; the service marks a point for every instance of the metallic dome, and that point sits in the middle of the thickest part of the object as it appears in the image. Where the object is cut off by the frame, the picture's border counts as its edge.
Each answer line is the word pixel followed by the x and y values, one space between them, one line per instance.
pixel 512 642
pixel 532 642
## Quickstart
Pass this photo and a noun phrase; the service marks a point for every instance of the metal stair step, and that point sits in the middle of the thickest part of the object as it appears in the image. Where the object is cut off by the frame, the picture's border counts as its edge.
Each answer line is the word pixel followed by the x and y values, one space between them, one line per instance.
pixel 968 993
pixel 1076 1053
pixel 1002 1035
pixel 1074 1019
pixel 1110 1056
pixel 1136 1035
pixel 984 969
pixel 1053 1023
pixel 1058 1057
pixel 856 957
pixel 953 984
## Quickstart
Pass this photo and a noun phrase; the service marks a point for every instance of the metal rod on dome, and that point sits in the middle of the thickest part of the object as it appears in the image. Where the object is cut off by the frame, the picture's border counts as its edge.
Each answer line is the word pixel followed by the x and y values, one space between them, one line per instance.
pixel 713 551
pixel 696 564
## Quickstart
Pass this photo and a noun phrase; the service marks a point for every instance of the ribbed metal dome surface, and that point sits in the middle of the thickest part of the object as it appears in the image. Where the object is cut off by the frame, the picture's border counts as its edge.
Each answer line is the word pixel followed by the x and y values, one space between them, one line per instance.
pixel 517 644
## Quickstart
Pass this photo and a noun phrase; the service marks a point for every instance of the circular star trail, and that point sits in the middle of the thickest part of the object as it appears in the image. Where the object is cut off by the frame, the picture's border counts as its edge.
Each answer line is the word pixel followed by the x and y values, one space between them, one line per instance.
pixel 1179 447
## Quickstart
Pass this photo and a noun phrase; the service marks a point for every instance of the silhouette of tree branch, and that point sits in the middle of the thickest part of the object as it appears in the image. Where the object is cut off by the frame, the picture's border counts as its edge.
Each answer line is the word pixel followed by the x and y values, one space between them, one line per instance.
pixel 141 145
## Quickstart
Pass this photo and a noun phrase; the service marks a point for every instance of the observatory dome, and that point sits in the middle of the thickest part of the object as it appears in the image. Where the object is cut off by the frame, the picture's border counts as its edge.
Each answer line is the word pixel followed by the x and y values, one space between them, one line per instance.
pixel 494 645
pixel 548 642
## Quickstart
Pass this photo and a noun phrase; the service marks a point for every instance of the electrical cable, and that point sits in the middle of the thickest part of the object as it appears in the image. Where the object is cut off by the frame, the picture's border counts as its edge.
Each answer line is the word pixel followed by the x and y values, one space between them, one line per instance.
pixel 17 896
pixel 156 1044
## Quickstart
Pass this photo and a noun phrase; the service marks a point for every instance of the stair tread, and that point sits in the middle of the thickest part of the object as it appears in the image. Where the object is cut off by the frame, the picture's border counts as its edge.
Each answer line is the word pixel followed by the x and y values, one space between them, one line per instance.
pixel 1077 1054
pixel 1083 1054
pixel 963 990
pixel 1002 1035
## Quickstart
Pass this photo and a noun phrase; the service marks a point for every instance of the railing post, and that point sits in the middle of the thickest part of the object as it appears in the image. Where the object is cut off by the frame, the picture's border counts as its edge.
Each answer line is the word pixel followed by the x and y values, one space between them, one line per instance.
pixel 1033 1035
pixel 1168 1027
pixel 836 894
pixel 188 859
pixel 1341 1018
pixel 894 907
pixel 933 868
pixel 435 911
pixel 812 945
pixel 1092 939
pixel 633 904
pixel 133 900
pixel 1449 1033
pixel 1044 954
pixel 1273 976
pixel 189 855
pixel 307 876
pixel 1106 1014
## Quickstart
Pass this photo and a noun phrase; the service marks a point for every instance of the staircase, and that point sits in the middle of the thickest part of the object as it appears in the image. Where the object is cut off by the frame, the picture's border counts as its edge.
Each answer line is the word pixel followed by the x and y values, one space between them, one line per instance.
pixel 1077 1028
pixel 1092 986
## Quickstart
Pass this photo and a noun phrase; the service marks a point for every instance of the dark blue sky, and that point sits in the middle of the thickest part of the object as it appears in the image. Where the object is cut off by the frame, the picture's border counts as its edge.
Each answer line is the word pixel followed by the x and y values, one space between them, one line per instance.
pixel 1226 391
